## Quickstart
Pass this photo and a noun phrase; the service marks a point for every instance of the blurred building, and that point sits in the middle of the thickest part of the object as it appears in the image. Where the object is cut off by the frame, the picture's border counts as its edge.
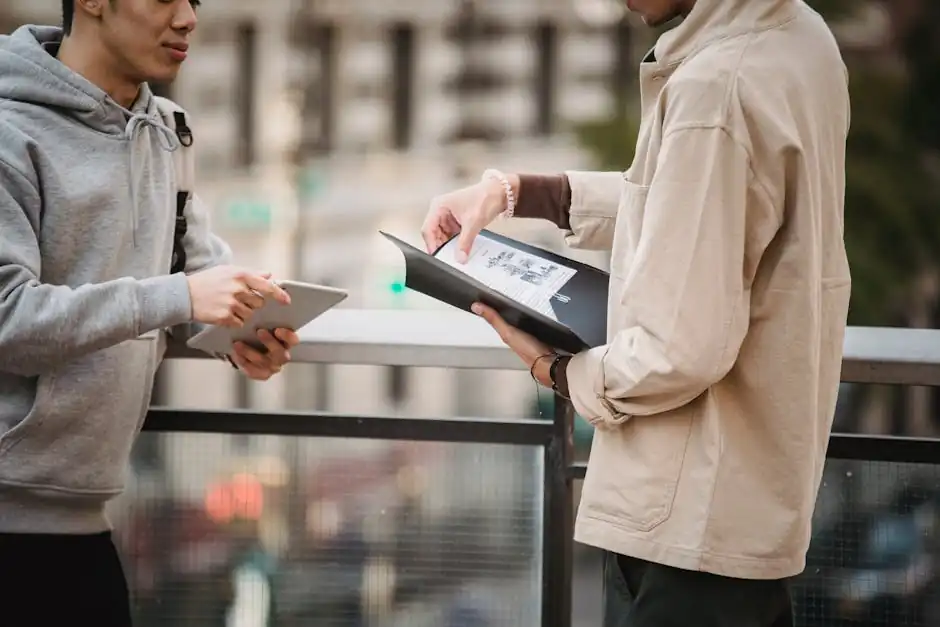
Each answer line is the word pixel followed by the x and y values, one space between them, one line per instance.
pixel 301 78
pixel 319 122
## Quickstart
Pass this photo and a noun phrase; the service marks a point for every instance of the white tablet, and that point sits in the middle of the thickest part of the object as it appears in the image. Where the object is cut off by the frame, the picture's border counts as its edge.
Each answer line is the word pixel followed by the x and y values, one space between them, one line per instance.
pixel 307 303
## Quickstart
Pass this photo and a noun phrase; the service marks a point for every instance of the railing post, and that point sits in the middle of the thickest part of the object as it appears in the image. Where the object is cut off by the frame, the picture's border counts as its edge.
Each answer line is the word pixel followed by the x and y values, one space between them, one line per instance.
pixel 558 520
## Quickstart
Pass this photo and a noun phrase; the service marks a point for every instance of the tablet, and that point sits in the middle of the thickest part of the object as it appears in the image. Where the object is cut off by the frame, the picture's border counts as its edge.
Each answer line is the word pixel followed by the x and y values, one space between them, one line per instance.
pixel 307 303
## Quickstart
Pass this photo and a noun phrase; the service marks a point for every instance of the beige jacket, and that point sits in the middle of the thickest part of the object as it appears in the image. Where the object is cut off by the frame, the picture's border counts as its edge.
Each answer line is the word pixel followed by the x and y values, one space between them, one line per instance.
pixel 729 294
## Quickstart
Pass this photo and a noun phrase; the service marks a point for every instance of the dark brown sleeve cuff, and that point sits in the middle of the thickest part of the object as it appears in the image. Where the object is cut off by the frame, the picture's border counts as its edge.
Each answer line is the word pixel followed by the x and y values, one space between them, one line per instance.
pixel 544 196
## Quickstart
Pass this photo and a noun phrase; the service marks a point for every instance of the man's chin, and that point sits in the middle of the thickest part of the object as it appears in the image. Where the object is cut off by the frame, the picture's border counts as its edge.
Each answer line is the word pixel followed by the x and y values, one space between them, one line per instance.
pixel 164 76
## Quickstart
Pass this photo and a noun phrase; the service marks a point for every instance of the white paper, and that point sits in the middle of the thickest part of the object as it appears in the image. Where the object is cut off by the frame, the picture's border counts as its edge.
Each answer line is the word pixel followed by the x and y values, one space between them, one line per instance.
pixel 523 277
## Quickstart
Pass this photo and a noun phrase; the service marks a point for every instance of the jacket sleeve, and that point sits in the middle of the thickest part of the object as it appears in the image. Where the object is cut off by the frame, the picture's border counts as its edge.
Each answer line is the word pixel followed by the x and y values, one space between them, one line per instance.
pixel 43 325
pixel 595 199
pixel 685 307
pixel 583 204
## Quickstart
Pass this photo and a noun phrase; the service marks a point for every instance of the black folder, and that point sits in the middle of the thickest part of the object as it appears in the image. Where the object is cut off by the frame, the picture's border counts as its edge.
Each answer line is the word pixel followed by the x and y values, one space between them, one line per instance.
pixel 580 306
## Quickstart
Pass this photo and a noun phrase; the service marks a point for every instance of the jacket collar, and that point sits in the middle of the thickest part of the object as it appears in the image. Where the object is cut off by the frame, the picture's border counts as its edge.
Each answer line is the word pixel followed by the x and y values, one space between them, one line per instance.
pixel 712 20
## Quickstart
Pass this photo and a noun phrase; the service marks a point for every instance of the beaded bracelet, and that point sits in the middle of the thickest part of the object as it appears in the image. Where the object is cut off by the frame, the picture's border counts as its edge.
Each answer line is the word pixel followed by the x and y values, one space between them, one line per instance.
pixel 496 175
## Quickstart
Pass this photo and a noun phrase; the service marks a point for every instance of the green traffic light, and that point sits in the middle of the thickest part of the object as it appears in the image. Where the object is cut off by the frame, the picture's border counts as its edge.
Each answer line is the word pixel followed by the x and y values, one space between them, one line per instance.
pixel 398 287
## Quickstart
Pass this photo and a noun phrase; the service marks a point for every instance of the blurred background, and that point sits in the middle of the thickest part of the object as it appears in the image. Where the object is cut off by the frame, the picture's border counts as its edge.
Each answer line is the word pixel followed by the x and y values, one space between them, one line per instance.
pixel 319 122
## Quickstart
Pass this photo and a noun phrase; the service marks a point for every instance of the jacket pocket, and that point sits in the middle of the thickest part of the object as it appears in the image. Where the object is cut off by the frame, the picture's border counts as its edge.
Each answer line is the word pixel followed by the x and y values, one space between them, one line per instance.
pixel 78 435
pixel 629 225
pixel 45 385
pixel 634 469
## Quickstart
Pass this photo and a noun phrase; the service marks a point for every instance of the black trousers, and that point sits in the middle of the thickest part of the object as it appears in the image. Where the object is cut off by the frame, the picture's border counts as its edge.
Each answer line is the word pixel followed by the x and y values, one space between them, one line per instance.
pixel 58 580
pixel 643 594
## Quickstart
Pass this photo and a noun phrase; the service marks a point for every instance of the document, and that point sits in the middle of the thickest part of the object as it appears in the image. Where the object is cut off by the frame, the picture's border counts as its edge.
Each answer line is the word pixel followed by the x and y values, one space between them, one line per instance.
pixel 558 300
pixel 527 279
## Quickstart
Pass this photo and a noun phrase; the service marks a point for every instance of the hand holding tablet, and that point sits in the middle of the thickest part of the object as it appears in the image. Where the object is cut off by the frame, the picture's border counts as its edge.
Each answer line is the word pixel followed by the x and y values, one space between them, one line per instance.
pixel 226 295
pixel 307 302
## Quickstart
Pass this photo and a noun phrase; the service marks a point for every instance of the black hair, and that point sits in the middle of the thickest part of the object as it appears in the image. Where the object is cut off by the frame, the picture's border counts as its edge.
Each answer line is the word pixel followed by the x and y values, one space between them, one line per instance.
pixel 68 14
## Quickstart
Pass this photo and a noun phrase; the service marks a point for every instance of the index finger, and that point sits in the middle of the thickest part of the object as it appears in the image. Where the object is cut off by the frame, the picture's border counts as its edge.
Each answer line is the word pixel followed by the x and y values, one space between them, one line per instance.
pixel 267 287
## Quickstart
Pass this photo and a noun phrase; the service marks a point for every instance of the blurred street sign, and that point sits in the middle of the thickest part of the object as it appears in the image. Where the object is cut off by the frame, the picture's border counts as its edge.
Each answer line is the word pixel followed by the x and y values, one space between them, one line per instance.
pixel 247 214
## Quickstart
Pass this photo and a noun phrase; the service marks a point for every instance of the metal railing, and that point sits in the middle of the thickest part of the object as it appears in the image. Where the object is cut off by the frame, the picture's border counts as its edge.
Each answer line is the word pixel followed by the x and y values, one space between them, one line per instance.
pixel 450 339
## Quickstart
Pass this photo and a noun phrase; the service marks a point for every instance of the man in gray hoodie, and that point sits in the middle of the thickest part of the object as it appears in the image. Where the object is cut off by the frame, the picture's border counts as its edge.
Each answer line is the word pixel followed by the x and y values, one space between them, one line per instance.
pixel 87 210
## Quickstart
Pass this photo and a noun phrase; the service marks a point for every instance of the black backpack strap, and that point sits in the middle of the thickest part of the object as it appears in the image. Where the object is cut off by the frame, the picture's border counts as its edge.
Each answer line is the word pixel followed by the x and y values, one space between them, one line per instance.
pixel 176 119
pixel 183 132
pixel 178 263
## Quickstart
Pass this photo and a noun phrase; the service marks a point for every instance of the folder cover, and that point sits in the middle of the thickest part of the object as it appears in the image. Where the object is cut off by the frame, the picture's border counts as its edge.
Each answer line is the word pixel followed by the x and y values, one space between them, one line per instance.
pixel 559 301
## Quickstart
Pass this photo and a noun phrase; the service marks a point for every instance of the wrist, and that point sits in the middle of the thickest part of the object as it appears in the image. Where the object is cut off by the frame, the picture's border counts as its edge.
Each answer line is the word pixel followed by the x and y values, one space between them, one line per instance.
pixel 540 369
pixel 503 190
pixel 550 371
pixel 192 299
pixel 515 185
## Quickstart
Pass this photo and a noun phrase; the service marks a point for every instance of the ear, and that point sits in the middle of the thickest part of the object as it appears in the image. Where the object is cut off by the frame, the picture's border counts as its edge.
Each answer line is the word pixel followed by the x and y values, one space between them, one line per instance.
pixel 91 8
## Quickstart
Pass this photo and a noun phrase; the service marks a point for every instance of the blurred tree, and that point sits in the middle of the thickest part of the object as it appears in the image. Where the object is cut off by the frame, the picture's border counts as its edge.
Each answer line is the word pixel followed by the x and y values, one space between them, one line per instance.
pixel 834 10
pixel 920 44
pixel 891 232
pixel 611 141
pixel 908 279
pixel 892 227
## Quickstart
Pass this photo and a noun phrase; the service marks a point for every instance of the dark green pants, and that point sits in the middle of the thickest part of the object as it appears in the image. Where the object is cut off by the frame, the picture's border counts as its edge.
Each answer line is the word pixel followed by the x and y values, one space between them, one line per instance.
pixel 642 594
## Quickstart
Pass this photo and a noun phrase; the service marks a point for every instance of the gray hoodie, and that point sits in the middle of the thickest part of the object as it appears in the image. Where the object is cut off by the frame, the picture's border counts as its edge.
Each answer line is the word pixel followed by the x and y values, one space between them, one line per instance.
pixel 87 204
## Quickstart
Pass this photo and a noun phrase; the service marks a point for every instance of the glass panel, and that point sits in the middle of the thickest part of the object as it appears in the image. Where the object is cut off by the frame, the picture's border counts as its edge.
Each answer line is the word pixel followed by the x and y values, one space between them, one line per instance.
pixel 268 531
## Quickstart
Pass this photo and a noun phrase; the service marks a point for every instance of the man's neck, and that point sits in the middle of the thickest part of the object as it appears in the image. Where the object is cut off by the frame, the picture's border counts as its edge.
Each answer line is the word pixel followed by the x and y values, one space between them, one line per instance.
pixel 92 62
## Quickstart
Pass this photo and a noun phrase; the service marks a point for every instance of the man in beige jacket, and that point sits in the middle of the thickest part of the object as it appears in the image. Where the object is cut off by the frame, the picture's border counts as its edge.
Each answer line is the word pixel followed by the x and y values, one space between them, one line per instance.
pixel 714 396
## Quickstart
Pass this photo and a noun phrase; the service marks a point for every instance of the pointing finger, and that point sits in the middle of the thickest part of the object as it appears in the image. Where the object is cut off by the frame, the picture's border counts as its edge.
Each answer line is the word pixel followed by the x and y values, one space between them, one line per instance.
pixel 251 299
pixel 266 287
pixel 465 242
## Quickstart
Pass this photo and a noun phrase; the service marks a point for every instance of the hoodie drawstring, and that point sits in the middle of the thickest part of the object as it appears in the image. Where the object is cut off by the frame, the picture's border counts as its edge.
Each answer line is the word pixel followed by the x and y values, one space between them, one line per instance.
pixel 167 140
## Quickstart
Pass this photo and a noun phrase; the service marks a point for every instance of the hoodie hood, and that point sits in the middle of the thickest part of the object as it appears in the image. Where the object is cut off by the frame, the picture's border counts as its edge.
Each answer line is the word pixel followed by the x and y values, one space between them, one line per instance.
pixel 31 74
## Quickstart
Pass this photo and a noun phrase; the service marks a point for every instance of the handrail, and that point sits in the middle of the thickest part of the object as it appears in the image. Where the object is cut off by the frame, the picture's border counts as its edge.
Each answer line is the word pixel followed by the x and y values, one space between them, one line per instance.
pixel 447 338
pixel 522 432
pixel 858 448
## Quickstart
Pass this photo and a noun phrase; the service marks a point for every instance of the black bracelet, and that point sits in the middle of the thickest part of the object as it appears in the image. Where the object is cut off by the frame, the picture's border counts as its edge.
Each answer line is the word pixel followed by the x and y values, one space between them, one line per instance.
pixel 553 375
